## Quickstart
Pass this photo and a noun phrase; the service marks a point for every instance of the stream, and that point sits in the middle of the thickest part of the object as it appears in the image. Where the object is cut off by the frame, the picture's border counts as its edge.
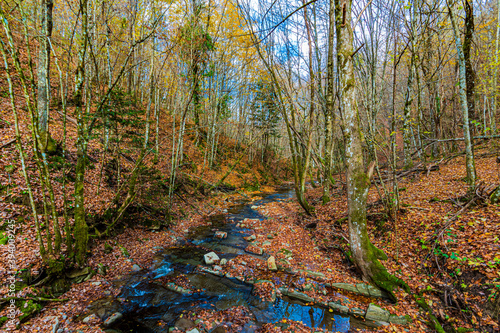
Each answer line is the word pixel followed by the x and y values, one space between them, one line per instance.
pixel 144 301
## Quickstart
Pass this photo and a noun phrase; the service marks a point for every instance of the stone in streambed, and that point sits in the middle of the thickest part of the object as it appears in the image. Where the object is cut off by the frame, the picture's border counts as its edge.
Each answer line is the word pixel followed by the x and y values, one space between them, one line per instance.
pixel 336 306
pixel 254 250
pixel 297 295
pixel 400 320
pixel 357 312
pixel 90 319
pixel 376 313
pixel 220 234
pixel 184 324
pixel 219 329
pixel 250 238
pixel 211 258
pixel 271 264
pixel 114 318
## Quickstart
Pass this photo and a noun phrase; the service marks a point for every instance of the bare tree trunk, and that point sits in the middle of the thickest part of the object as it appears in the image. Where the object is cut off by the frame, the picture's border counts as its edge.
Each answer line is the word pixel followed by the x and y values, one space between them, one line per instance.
pixel 364 254
pixel 469 153
pixel 329 110
pixel 493 112
pixel 470 76
pixel 44 76
pixel 80 227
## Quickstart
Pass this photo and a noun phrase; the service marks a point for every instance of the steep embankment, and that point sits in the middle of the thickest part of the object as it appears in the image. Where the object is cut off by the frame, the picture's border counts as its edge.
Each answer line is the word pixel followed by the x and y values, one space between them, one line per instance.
pixel 446 250
pixel 197 190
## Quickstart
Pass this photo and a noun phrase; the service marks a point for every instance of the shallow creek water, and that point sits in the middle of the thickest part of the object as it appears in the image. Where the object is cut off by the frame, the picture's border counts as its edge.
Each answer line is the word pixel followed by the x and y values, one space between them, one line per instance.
pixel 144 301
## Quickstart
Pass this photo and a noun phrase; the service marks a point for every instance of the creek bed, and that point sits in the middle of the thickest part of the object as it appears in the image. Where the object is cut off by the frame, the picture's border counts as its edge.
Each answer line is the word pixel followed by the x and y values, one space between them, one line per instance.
pixel 145 301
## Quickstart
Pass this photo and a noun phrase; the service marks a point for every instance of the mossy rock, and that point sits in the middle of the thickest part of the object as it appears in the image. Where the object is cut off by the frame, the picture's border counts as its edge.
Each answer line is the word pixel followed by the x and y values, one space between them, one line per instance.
pixel 28 308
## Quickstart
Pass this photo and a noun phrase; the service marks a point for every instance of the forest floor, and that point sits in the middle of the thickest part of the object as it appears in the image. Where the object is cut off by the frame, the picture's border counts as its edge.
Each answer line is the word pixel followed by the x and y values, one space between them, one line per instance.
pixel 456 274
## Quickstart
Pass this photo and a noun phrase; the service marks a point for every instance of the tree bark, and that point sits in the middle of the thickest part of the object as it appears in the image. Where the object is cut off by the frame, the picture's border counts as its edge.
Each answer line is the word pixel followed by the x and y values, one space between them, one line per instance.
pixel 44 74
pixel 364 254
pixel 80 226
pixel 470 76
pixel 469 153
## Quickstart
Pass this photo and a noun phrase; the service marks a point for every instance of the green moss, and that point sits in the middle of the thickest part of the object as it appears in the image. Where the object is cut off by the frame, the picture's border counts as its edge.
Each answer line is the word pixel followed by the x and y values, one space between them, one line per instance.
pixel 433 321
pixel 55 266
pixel 325 199
pixel 464 329
pixel 124 251
pixel 108 248
pixel 3 320
pixel 28 308
pixel 377 253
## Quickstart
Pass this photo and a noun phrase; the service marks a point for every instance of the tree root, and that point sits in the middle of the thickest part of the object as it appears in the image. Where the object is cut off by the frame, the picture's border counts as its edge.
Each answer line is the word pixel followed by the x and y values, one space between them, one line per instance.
pixel 35 299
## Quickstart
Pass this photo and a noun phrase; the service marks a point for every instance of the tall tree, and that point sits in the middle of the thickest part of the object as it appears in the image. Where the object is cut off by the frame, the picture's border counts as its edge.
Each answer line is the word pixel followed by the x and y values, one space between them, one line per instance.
pixel 44 74
pixel 469 153
pixel 364 254
pixel 470 76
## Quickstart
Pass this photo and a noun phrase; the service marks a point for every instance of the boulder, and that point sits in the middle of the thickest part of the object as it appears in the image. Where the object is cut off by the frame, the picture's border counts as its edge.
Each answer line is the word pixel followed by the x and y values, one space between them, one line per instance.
pixel 184 324
pixel 376 313
pixel 400 320
pixel 336 306
pixel 136 268
pixel 211 258
pixel 297 295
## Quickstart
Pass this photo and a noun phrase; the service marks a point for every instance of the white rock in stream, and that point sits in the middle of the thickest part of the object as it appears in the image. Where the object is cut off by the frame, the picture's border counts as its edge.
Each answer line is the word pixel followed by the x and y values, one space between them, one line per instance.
pixel 211 258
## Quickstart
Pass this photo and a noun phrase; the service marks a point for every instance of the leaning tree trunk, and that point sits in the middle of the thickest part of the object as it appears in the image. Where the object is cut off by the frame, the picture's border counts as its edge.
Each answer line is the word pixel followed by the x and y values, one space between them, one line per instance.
pixel 364 254
pixel 469 153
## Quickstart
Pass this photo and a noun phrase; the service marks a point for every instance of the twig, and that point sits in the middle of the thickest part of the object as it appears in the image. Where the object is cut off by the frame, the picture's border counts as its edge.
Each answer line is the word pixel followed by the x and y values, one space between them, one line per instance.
pixel 418 208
